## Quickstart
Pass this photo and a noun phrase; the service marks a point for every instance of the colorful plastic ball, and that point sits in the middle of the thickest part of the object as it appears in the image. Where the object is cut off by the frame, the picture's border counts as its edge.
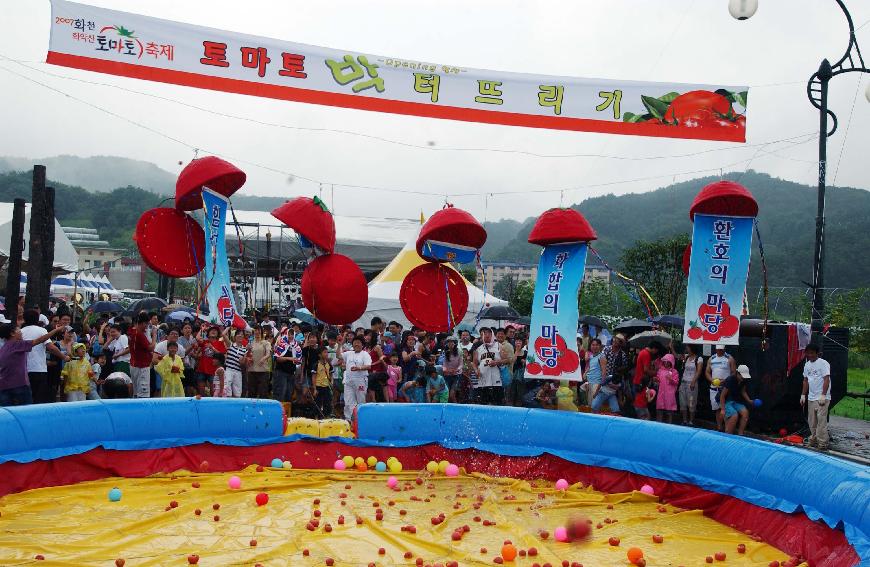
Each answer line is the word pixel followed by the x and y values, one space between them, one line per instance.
pixel 562 484
pixel 359 461
pixel 716 382
pixel 234 482
pixel 508 552
pixel 392 482
pixel 362 467
pixel 339 465
pixel 348 461
pixel 380 466
pixel 277 463
pixel 115 495
pixel 432 467
pixel 560 534
pixel 451 470
pixel 647 489
pixel 287 465
pixel 262 498
pixel 757 402
pixel 442 466
pixel 394 466
pixel 635 554
pixel 371 461
pixel 389 459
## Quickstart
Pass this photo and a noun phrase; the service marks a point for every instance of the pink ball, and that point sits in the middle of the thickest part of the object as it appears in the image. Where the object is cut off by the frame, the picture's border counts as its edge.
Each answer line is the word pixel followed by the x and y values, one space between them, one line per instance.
pixel 235 482
pixel 647 489
pixel 339 465
pixel 392 482
pixel 560 533
pixel 451 470
pixel 562 484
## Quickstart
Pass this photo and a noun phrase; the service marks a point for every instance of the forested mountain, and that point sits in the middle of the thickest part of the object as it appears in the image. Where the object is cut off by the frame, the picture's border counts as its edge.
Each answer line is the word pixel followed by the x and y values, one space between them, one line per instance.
pixel 786 221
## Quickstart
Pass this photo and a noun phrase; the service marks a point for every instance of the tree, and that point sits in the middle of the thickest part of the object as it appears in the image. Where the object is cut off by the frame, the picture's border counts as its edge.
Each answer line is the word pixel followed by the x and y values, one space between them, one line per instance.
pixel 657 265
pixel 504 288
pixel 469 272
pixel 522 297
pixel 599 297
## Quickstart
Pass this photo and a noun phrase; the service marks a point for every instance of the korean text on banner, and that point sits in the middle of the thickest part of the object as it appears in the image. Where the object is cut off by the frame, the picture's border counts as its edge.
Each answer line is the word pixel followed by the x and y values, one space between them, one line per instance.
pixel 718 268
pixel 221 305
pixel 553 331
pixel 131 45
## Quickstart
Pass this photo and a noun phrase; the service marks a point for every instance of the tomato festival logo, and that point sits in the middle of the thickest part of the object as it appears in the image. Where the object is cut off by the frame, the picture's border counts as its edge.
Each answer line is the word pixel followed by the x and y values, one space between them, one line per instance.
pixel 694 109
pixel 226 311
pixel 714 321
pixel 557 358
pixel 121 40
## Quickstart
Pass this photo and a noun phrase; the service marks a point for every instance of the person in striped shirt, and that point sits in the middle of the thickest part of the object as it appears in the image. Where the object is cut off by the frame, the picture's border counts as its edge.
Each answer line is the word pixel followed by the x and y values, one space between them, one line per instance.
pixel 236 358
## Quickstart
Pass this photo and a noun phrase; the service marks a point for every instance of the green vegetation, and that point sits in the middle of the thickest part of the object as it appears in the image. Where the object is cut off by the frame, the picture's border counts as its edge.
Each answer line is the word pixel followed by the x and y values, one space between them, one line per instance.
pixel 857 408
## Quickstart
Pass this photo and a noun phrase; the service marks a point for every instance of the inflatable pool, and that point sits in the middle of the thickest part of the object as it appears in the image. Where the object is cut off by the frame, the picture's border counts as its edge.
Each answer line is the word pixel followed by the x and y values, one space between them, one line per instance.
pixel 716 498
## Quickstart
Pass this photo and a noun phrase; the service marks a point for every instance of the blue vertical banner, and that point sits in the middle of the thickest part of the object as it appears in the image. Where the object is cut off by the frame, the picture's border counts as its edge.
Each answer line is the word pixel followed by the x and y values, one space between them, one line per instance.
pixel 553 331
pixel 221 304
pixel 718 268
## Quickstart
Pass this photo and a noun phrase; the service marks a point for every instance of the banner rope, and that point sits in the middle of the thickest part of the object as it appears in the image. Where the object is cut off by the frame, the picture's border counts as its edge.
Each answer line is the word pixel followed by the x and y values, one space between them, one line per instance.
pixel 764 286
pixel 636 284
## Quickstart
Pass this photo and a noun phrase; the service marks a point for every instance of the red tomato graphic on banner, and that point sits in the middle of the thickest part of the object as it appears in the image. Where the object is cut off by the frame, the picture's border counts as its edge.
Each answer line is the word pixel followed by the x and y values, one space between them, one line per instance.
pixel 226 313
pixel 712 325
pixel 564 359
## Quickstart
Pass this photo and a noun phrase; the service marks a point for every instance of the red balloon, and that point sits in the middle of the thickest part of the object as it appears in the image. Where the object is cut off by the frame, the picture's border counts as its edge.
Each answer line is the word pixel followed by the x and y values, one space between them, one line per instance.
pixel 262 498
pixel 218 175
pixel 423 297
pixel 334 289
pixel 170 242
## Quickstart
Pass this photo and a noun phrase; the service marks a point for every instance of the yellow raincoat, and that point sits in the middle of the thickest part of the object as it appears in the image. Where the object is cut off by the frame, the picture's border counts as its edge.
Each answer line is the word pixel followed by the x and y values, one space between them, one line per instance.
pixel 171 369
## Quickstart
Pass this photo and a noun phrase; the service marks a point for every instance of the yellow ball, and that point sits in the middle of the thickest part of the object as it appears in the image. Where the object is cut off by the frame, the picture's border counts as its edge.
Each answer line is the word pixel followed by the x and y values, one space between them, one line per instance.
pixel 432 467
pixel 389 459
pixel 287 465
pixel 716 382
pixel 371 461
pixel 442 466
pixel 359 461
pixel 394 466
pixel 348 461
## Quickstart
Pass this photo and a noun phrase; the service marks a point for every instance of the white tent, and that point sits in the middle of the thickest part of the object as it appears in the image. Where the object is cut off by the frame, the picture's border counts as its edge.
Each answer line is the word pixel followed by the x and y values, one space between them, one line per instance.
pixel 65 256
pixel 384 290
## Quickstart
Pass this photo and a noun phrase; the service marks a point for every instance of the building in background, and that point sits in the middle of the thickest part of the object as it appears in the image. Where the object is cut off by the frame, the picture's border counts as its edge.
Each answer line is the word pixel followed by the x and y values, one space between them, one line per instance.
pixel 93 252
pixel 518 272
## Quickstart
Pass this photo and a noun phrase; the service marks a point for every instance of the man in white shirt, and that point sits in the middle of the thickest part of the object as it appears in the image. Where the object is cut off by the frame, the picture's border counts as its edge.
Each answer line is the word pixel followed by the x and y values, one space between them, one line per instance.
pixel 817 391
pixel 357 364
pixel 160 349
pixel 719 367
pixel 488 360
pixel 37 369
pixel 119 350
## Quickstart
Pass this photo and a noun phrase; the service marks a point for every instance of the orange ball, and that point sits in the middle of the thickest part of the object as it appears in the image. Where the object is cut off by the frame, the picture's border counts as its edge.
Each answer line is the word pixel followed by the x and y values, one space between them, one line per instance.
pixel 635 554
pixel 362 467
pixel 508 552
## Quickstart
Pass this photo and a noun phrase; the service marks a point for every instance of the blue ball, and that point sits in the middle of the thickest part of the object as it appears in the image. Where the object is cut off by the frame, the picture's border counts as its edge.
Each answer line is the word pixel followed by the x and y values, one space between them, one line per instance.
pixel 381 467
pixel 114 494
pixel 277 463
pixel 756 402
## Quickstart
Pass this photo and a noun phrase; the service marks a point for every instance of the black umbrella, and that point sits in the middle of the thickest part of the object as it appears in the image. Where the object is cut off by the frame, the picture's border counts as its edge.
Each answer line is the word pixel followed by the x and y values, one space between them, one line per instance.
pixel 105 307
pixel 674 321
pixel 592 321
pixel 633 326
pixel 146 304
pixel 505 312
pixel 524 321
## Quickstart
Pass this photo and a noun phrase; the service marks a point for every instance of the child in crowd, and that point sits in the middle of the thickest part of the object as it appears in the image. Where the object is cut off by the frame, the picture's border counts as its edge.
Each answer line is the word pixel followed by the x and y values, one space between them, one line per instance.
pixel 219 384
pixel 118 385
pixel 414 391
pixel 566 397
pixel 643 397
pixel 667 378
pixel 394 377
pixel 96 381
pixel 437 391
pixel 171 369
pixel 546 395
pixel 323 384
pixel 77 375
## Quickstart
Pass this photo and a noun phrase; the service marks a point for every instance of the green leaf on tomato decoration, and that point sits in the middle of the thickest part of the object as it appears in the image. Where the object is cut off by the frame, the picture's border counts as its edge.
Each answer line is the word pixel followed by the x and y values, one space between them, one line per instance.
pixel 740 98
pixel 656 107
pixel 668 98
pixel 632 117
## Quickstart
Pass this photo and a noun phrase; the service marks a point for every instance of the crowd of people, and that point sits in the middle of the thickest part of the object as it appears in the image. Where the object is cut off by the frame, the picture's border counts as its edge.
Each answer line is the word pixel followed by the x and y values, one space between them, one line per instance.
pixel 329 371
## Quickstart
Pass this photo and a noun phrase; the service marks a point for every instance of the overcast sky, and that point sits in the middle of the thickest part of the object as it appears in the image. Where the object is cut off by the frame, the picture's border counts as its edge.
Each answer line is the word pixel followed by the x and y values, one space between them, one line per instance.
pixel 690 41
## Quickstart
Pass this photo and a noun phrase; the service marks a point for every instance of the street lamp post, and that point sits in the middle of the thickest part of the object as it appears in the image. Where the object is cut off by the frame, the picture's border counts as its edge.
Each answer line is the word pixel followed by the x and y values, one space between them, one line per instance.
pixel 817 92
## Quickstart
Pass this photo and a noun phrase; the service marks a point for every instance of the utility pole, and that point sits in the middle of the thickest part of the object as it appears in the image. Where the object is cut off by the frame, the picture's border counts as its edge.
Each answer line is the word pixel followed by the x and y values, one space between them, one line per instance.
pixel 13 265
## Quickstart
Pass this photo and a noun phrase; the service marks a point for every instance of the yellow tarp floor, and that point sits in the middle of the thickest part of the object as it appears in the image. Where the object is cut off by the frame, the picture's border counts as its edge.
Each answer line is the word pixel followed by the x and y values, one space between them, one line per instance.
pixel 78 525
